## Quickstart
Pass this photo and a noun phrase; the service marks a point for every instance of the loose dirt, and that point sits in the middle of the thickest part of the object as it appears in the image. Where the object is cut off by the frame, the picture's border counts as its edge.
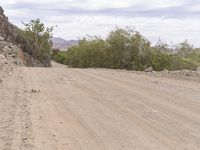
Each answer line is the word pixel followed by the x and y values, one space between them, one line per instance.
pixel 97 109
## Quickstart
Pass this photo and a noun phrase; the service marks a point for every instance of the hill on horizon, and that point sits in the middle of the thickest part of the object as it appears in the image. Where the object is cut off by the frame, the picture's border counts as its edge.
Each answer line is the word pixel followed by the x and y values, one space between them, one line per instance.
pixel 62 44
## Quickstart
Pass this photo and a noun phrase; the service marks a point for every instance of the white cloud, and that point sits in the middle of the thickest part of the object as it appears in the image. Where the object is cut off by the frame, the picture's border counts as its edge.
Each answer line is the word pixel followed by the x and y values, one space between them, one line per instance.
pixel 98 4
pixel 171 30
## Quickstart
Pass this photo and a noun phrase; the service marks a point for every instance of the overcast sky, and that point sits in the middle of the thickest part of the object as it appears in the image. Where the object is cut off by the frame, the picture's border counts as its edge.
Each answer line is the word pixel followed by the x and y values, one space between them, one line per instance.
pixel 170 20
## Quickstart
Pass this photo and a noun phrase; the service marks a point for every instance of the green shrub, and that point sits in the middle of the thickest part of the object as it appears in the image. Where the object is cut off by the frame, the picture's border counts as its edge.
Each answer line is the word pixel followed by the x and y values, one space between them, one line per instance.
pixel 58 56
pixel 128 49
pixel 38 38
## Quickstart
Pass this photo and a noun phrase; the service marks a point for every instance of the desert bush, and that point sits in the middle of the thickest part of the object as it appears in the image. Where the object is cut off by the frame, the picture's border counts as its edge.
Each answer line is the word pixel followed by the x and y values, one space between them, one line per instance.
pixel 58 56
pixel 87 54
pixel 125 48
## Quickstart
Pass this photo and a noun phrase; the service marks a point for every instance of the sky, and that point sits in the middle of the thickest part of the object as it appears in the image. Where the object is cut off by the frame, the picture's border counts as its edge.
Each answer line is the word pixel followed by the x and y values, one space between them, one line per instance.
pixel 168 20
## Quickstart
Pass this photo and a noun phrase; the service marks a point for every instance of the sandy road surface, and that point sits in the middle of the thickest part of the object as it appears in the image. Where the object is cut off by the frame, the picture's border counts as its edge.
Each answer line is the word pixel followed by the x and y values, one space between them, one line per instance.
pixel 97 109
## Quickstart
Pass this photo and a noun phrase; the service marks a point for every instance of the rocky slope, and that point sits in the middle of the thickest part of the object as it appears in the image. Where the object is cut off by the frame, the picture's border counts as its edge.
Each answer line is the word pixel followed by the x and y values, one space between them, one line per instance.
pixel 10 57
pixel 11 34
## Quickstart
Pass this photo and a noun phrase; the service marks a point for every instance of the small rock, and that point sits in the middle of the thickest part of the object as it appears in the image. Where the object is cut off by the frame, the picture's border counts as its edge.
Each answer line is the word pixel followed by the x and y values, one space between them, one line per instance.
pixel 2 57
pixel 33 90
pixel 24 139
pixel 2 38
pixel 156 82
pixel 54 135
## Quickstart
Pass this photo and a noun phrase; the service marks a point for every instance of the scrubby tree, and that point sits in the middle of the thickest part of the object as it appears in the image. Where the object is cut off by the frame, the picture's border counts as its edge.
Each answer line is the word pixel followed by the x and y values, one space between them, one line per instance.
pixel 130 50
pixel 162 47
pixel 39 39
pixel 140 52
pixel 184 49
pixel 120 47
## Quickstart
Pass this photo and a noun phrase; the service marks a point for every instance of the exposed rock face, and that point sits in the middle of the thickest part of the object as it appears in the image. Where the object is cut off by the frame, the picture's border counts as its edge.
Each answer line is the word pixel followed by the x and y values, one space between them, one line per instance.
pixel 7 30
pixel 8 57
pixel 11 33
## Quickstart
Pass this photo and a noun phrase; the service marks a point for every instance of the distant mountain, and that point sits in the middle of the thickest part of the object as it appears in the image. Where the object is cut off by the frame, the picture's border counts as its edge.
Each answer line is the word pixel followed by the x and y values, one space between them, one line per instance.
pixel 62 44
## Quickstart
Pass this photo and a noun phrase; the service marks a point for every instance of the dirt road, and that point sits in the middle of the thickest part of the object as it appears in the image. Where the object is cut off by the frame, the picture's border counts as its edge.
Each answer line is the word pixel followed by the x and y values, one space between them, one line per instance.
pixel 97 109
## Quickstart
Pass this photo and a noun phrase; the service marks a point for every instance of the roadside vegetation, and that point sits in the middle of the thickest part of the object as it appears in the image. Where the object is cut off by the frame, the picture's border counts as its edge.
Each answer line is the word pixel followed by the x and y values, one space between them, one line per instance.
pixel 38 38
pixel 125 48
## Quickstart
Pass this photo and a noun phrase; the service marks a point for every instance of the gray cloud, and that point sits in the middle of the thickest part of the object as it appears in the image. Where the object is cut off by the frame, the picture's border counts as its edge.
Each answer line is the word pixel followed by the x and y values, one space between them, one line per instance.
pixel 172 22
pixel 131 11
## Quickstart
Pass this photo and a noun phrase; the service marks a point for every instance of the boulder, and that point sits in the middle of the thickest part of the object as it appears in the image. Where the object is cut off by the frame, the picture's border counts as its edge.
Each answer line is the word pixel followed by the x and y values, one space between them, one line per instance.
pixel 186 72
pixel 165 71
pixel 150 69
